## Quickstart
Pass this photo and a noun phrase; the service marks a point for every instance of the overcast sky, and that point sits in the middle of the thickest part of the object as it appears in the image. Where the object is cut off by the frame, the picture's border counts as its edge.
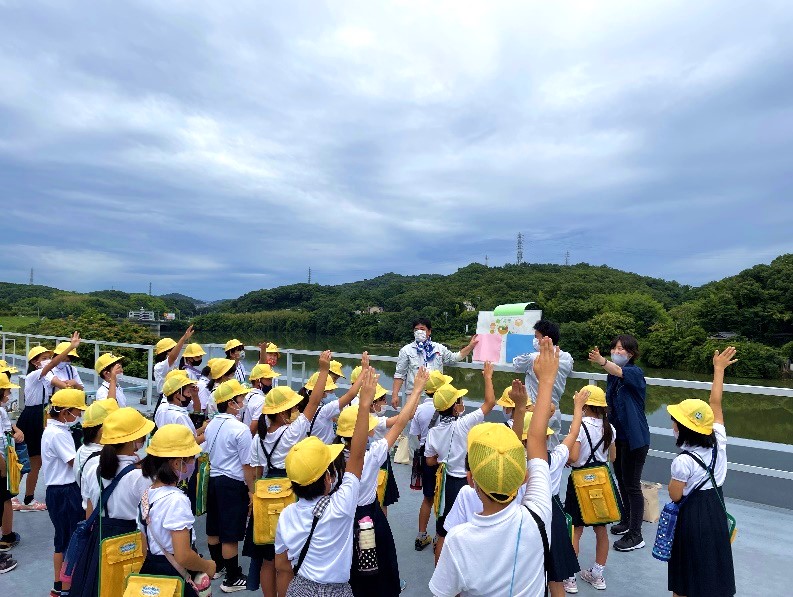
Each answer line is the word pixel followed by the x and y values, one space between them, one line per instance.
pixel 215 150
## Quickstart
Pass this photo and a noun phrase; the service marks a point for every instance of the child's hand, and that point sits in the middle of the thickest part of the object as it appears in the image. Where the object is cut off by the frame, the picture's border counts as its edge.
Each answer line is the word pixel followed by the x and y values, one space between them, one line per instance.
pixel 116 371
pixel 518 393
pixel 547 364
pixel 421 378
pixel 580 398
pixel 263 346
pixel 368 388
pixel 724 359
pixel 19 437
pixel 364 360
pixel 189 333
pixel 75 342
pixel 324 360
pixel 487 372
pixel 595 357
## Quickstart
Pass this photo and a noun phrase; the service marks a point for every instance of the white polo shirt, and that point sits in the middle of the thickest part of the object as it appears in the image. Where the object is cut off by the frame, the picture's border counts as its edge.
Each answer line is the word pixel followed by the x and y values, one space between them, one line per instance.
pixel 254 401
pixel 102 393
pixel 5 427
pixel 228 442
pixel 374 458
pixel 83 452
pixel 323 422
pixel 289 434
pixel 466 504
pixel 169 510
pixel 85 466
pixel 558 458
pixel 57 451
pixel 463 570
pixel 595 428
pixel 124 501
pixel 329 555
pixel 161 369
pixel 420 424
pixel 37 389
pixel 66 371
pixel 687 470
pixel 204 395
pixel 192 372
pixel 170 413
pixel 448 440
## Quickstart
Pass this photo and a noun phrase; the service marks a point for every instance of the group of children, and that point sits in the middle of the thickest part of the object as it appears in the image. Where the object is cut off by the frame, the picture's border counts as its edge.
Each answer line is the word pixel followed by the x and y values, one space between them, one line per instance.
pixel 495 487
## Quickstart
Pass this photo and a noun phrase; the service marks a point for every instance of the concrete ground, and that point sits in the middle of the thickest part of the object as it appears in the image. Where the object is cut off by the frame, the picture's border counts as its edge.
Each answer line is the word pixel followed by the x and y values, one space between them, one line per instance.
pixel 761 552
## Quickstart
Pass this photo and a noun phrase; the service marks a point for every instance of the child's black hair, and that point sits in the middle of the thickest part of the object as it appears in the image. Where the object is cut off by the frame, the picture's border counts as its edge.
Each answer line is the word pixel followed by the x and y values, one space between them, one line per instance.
pixel 629 343
pixel 313 490
pixel 158 468
pixel 205 371
pixel 108 460
pixel 693 438
pixel 107 370
pixel 449 412
pixel 159 358
pixel 90 433
pixel 223 406
pixel 601 412
pixel 306 394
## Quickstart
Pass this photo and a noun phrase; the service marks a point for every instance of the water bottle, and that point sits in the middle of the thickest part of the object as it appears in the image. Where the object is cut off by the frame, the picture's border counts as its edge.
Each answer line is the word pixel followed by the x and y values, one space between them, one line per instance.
pixel 665 536
pixel 202 584
pixel 367 551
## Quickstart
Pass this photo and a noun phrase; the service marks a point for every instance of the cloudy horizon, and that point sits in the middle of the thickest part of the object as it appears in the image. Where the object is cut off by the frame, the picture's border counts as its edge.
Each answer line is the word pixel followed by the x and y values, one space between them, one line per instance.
pixel 215 149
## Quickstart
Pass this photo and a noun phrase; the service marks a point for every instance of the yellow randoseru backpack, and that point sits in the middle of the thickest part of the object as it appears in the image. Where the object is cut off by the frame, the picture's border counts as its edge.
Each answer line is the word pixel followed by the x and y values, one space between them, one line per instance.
pixel 119 557
pixel 145 585
pixel 14 472
pixel 597 494
pixel 202 484
pixel 382 481
pixel 269 500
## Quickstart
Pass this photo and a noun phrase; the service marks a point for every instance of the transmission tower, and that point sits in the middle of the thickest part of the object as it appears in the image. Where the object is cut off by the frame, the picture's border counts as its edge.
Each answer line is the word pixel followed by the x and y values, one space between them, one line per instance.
pixel 309 275
pixel 567 258
pixel 487 261
pixel 519 255
pixel 149 288
pixel 31 276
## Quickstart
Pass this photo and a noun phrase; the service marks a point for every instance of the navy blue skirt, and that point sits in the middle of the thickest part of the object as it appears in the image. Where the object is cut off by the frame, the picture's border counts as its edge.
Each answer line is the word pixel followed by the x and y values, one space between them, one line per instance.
pixel 386 581
pixel 564 562
pixel 31 423
pixel 65 507
pixel 160 566
pixel 701 563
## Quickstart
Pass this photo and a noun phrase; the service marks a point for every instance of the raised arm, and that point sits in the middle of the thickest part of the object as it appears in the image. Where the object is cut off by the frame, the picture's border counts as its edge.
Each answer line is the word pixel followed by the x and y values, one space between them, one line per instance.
pixel 610 366
pixel 345 400
pixel 490 394
pixel 59 358
pixel 263 352
pixel 545 367
pixel 361 432
pixel 173 354
pixel 112 384
pixel 319 390
pixel 520 397
pixel 578 408
pixel 720 362
pixel 403 418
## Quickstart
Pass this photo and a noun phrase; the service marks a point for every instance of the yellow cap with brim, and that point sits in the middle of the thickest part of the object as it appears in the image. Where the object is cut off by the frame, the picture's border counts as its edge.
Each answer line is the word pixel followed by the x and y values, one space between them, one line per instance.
pixel 597 397
pixel 69 398
pixel 497 460
pixel 335 368
pixel 272 348
pixel 220 368
pixel 175 373
pixel 6 368
pixel 193 350
pixel 37 351
pixel 312 382
pixel 263 371
pixel 5 384
pixel 64 347
pixel 346 423
pixel 445 396
pixel 104 361
pixel 379 393
pixel 173 441
pixel 98 411
pixel 505 400
pixel 280 399
pixel 355 373
pixel 176 383
pixel 693 413
pixel 125 425
pixel 437 380
pixel 228 390
pixel 232 344
pixel 527 421
pixel 164 345
pixel 309 458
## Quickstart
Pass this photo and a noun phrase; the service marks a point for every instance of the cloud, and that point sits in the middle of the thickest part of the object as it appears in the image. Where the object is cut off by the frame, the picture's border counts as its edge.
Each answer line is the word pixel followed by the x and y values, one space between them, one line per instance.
pixel 213 149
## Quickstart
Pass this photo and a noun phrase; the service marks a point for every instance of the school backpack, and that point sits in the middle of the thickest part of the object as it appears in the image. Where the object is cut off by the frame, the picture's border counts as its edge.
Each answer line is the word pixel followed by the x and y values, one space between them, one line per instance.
pixel 14 467
pixel 595 489
pixel 271 495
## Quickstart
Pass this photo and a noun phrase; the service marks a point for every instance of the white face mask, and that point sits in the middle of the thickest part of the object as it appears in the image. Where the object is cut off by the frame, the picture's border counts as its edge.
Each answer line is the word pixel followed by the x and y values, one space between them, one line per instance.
pixel 619 359
pixel 536 343
pixel 44 363
pixel 72 423
pixel 420 335
pixel 242 355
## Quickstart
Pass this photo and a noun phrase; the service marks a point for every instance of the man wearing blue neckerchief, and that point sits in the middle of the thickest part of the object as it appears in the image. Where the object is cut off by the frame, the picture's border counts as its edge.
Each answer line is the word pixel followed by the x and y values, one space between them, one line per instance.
pixel 423 352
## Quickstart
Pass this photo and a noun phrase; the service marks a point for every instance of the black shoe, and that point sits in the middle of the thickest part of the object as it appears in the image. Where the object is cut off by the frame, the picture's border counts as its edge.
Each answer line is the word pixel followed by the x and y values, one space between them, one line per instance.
pixel 629 542
pixel 234 584
pixel 620 528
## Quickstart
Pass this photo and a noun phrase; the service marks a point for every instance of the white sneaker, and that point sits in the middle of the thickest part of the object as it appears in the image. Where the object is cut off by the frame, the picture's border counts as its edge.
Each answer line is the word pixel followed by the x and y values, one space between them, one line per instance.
pixel 34 506
pixel 570 586
pixel 596 581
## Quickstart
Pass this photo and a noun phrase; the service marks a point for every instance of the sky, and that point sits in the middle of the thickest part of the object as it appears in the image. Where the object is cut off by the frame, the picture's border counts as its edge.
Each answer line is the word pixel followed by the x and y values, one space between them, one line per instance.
pixel 213 148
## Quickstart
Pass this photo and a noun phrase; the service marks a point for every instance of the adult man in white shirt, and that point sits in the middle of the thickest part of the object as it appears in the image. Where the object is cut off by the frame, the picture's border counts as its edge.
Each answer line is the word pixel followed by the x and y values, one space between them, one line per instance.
pixel 423 352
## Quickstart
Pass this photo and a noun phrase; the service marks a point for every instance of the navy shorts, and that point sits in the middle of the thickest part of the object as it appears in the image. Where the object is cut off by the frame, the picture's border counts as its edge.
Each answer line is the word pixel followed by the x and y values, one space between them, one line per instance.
pixel 5 495
pixel 227 509
pixel 65 508
pixel 428 478
pixel 453 487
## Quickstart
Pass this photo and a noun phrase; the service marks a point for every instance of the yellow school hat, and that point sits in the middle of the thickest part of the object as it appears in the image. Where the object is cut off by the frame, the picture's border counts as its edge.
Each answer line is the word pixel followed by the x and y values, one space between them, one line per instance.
pixel 36 351
pixel 220 368
pixel 436 380
pixel 69 398
pixel 272 348
pixel 124 425
pixel 309 458
pixel 164 345
pixel 173 441
pixel 193 350
pixel 5 384
pixel 8 368
pixel 379 393
pixel 527 420
pixel 98 411
pixel 175 373
pixel 497 459
pixel 312 381
pixel 693 413
pixel 104 361
pixel 263 370
pixel 346 423
pixel 597 397
pixel 446 395
pixel 176 383
pixel 355 373
pixel 228 390
pixel 505 400
pixel 63 347
pixel 280 399
pixel 335 368
pixel 232 344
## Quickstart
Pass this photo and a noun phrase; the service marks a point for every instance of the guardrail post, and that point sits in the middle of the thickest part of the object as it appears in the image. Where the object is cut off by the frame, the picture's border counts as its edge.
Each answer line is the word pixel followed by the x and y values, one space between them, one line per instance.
pixel 592 382
pixel 289 367
pixel 150 370
pixel 27 345
pixel 4 346
pixel 96 358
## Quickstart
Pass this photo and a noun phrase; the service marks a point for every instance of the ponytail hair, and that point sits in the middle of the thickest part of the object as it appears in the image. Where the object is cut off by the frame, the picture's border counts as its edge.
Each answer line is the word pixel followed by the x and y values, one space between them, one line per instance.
pixel 108 460
pixel 600 412
pixel 158 468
